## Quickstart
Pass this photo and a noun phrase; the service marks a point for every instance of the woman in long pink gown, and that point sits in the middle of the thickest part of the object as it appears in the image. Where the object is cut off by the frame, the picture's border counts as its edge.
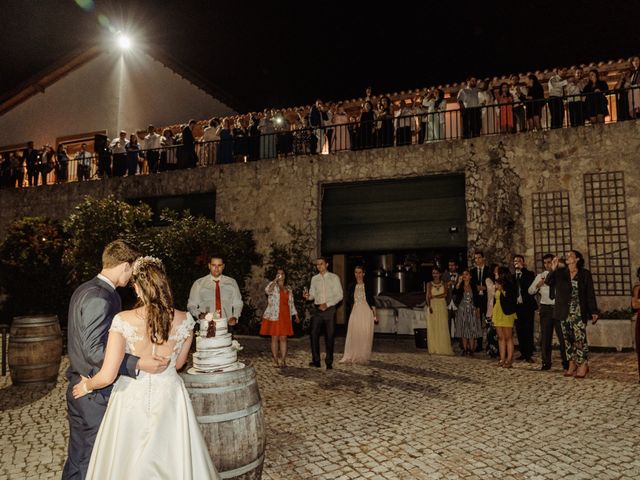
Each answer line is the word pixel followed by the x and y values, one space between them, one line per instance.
pixel 357 347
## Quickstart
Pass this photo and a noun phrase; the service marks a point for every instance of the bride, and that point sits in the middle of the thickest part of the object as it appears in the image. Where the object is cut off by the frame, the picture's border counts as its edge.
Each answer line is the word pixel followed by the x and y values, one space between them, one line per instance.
pixel 149 429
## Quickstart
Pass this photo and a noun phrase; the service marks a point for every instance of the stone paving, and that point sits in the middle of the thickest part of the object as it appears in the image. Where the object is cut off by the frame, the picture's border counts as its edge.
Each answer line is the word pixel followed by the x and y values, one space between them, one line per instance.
pixel 407 415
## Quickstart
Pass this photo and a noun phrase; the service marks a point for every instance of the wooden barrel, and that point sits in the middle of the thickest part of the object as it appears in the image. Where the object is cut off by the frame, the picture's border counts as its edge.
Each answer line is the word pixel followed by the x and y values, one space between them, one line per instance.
pixel 229 412
pixel 35 349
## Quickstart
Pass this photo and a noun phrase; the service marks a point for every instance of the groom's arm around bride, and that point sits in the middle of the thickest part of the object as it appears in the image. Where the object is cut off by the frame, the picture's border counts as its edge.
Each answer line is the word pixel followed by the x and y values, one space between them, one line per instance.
pixel 91 311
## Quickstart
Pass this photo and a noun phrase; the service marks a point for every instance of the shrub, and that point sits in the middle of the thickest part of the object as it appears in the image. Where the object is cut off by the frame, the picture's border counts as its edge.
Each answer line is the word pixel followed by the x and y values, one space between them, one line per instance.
pixel 31 267
pixel 92 225
pixel 185 243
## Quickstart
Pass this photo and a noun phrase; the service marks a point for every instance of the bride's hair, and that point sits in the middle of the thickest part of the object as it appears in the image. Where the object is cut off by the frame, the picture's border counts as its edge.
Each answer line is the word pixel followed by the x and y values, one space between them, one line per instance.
pixel 155 294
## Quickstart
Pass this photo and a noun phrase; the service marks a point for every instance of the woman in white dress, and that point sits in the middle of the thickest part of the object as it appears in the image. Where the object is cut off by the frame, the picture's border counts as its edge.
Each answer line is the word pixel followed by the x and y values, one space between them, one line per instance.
pixel 485 97
pixel 359 342
pixel 341 135
pixel 149 429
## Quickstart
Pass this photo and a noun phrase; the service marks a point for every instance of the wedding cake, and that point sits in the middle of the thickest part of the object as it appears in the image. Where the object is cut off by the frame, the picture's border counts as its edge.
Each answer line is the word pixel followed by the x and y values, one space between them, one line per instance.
pixel 215 349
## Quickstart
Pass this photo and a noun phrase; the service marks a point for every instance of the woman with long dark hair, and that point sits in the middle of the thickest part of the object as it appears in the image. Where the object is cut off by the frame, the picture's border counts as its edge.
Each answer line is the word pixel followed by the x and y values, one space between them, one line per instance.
pixel 597 105
pixel 467 322
pixel 534 102
pixel 438 339
pixel 575 304
pixel 359 341
pixel 151 413
pixel 504 314
pixel 367 125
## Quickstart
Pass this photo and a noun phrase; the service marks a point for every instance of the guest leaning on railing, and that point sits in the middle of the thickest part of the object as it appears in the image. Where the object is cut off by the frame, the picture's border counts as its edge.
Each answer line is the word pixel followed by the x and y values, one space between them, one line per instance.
pixel 597 106
pixel 62 171
pixel 83 162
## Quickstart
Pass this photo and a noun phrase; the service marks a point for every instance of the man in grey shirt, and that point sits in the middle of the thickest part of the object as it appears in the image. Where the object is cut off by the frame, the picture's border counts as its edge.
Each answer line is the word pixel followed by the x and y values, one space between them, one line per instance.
pixel 470 109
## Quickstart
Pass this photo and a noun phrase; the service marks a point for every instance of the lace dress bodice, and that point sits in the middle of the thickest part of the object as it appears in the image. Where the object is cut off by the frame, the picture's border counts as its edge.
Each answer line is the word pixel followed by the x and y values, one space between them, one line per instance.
pixel 359 295
pixel 134 340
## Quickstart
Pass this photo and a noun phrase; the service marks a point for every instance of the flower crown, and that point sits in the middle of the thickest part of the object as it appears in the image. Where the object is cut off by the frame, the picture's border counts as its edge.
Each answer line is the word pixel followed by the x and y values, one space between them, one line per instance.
pixel 142 262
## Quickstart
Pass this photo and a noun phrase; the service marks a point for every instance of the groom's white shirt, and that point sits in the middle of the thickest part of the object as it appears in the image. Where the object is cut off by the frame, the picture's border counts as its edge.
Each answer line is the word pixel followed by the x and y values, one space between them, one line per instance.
pixel 106 280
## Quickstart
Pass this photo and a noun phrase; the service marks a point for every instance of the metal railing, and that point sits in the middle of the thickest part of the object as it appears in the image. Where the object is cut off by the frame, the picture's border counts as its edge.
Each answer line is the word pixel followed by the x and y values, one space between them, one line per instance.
pixel 411 128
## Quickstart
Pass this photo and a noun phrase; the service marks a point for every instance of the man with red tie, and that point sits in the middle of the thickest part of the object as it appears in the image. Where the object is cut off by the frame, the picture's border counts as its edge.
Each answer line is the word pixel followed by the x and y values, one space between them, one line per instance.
pixel 216 293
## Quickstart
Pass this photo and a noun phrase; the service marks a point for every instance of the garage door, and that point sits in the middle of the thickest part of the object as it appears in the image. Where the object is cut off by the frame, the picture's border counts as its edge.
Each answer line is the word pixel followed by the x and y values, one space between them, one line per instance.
pixel 410 214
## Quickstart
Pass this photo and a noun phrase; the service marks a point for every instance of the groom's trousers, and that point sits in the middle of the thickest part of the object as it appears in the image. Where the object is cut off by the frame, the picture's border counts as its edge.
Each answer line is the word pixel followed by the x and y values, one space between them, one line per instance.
pixel 85 416
pixel 323 320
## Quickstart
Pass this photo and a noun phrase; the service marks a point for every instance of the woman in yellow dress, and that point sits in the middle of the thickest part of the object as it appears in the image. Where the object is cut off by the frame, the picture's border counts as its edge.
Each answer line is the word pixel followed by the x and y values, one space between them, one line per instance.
pixel 504 314
pixel 438 339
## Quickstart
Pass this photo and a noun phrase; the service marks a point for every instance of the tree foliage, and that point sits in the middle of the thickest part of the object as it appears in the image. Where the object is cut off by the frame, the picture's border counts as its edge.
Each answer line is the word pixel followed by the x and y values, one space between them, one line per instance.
pixel 185 243
pixel 92 225
pixel 31 267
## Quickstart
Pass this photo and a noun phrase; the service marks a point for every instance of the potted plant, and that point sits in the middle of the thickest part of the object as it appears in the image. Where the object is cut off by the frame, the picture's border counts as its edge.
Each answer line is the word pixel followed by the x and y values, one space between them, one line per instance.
pixel 614 329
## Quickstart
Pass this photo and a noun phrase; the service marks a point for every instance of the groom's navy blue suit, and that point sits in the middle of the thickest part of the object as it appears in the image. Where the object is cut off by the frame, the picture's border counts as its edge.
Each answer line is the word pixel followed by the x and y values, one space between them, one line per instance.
pixel 91 310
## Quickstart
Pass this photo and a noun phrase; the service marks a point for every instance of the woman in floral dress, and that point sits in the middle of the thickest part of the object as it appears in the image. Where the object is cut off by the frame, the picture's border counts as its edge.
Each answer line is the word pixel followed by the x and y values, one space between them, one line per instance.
pixel 467 321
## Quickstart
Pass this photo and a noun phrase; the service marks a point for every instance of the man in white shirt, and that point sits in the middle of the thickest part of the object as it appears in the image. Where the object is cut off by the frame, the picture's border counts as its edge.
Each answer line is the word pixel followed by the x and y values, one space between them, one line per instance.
pixel 557 83
pixel 216 293
pixel 152 145
pixel 402 122
pixel 547 323
pixel 575 100
pixel 83 162
pixel 450 279
pixel 519 93
pixel 326 292
pixel 119 154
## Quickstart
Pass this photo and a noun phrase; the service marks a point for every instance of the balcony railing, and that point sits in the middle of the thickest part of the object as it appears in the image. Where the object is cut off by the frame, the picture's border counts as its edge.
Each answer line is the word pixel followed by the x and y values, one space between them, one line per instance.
pixel 276 141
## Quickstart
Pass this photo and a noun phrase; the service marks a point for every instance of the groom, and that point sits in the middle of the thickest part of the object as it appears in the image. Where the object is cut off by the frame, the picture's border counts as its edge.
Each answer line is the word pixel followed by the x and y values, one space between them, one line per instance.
pixel 91 310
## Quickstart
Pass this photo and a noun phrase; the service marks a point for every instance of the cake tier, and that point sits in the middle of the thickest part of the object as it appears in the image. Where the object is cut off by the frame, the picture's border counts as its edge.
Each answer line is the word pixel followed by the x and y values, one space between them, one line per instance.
pixel 211 343
pixel 221 325
pixel 216 358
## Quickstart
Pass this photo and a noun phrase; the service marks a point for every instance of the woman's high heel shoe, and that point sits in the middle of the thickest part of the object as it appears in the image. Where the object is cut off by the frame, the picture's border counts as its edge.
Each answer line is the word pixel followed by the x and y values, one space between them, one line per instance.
pixel 571 371
pixel 582 370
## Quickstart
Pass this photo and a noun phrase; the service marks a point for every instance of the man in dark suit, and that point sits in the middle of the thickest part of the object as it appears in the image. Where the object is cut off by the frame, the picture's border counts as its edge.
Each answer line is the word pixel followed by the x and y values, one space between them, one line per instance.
pixel 31 156
pixel 479 275
pixel 91 310
pixel 190 159
pixel 526 307
pixel 450 279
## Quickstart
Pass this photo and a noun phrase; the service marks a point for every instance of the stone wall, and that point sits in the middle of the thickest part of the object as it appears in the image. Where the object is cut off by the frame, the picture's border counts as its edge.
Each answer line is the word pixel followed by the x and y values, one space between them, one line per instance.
pixel 501 172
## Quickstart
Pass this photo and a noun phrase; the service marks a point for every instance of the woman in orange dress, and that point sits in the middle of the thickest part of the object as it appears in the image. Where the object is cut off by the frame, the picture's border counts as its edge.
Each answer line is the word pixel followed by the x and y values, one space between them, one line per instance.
pixel 276 320
pixel 505 101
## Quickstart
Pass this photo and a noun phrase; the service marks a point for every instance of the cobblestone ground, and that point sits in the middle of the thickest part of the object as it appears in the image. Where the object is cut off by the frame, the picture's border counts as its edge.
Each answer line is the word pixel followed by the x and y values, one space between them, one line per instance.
pixel 407 415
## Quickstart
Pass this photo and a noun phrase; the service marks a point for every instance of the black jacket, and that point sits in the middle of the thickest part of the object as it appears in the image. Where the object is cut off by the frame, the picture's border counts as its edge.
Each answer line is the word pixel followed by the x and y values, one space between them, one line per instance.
pixel 477 299
pixel 508 298
pixel 91 310
pixel 559 282
pixel 352 290
pixel 526 279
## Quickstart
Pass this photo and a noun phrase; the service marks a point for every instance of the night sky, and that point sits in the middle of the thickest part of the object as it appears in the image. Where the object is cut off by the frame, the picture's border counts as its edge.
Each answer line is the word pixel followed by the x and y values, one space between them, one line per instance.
pixel 288 53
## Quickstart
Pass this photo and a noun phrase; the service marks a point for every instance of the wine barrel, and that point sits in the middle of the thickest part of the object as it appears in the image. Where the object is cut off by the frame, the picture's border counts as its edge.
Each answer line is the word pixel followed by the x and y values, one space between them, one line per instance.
pixel 229 411
pixel 35 349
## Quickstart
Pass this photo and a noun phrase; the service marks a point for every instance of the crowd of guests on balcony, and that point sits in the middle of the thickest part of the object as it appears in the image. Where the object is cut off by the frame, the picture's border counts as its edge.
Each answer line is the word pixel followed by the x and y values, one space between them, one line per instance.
pixel 484 107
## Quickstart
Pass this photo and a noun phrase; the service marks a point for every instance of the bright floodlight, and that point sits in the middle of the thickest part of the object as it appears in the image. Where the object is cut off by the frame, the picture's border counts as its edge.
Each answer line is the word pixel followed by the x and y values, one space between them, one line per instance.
pixel 124 42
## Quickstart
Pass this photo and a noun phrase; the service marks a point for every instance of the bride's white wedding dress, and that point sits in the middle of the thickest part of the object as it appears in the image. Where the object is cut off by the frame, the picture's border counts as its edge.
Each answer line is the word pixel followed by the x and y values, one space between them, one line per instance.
pixel 149 430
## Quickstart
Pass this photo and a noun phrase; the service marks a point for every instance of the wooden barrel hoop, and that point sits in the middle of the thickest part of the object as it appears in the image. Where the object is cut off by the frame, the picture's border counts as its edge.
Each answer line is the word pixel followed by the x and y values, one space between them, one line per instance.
pixel 229 411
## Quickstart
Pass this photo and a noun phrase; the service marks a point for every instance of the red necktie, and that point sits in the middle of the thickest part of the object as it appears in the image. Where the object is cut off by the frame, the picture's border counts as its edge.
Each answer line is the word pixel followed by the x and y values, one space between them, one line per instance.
pixel 218 301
